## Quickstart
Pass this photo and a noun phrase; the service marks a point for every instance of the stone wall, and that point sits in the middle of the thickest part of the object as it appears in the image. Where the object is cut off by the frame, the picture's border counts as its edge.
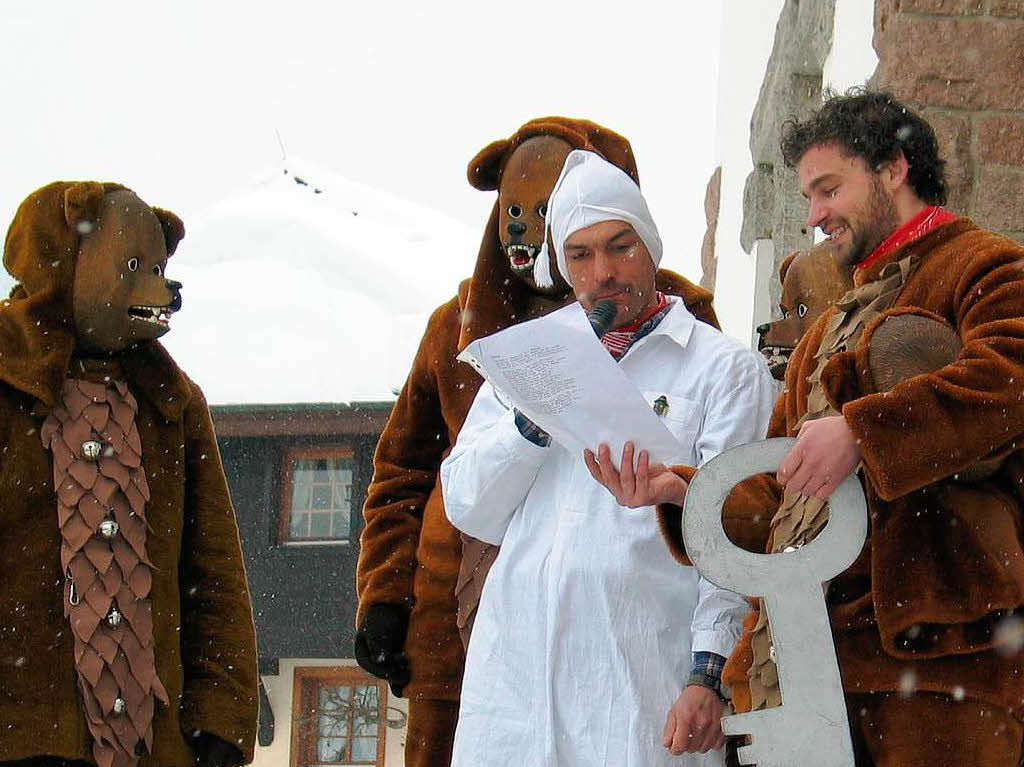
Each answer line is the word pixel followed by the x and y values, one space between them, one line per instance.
pixel 961 63
pixel 773 208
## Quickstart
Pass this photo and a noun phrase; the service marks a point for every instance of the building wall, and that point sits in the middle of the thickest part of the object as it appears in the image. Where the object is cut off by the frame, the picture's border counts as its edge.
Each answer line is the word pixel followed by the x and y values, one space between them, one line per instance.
pixel 303 595
pixel 764 80
pixel 744 52
pixel 818 45
pixel 961 63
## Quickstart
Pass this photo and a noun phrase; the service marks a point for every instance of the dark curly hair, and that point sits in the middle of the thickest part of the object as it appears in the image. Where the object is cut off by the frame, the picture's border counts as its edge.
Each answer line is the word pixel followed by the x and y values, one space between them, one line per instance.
pixel 874 126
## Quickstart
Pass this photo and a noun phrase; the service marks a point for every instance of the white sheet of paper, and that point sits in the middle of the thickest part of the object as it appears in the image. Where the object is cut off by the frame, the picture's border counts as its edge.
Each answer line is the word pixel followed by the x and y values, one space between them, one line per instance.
pixel 555 370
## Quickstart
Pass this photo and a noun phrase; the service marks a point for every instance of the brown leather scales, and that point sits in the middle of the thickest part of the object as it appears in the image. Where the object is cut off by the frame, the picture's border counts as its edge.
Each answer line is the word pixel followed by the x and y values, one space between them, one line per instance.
pixel 101 496
pixel 800 517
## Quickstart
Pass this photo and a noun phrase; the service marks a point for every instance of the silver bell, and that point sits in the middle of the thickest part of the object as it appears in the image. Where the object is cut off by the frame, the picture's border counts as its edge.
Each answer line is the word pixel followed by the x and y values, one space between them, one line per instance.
pixel 114 619
pixel 119 705
pixel 91 449
pixel 109 528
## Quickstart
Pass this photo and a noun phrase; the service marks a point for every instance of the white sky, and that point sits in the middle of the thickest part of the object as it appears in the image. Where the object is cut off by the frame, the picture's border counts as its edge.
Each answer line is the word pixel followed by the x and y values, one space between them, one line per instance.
pixel 180 101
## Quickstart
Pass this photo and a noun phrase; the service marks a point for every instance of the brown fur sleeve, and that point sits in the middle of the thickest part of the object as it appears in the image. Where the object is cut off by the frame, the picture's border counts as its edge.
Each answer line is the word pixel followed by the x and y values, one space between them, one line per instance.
pixel 218 640
pixel 405 470
pixel 704 310
pixel 670 520
pixel 698 300
pixel 967 410
pixel 746 515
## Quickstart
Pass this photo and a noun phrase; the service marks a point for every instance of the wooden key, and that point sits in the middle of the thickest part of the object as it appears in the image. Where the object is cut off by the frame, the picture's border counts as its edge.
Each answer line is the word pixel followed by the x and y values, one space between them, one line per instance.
pixel 810 729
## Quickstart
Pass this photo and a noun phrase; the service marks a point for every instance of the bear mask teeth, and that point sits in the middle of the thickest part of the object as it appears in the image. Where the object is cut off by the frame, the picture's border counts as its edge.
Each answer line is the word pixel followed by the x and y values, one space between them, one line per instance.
pixel 776 355
pixel 521 256
pixel 158 315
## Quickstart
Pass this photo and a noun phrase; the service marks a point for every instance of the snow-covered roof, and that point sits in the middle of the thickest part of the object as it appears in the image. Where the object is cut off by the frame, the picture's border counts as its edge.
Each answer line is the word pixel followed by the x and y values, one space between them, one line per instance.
pixel 308 287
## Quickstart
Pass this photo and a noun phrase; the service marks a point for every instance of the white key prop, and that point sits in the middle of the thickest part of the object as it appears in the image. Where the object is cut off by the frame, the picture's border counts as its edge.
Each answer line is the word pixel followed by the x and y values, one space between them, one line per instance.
pixel 810 729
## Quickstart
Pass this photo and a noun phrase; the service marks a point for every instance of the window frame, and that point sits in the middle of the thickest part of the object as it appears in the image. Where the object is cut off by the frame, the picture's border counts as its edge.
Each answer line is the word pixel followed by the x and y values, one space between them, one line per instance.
pixel 287 484
pixel 352 676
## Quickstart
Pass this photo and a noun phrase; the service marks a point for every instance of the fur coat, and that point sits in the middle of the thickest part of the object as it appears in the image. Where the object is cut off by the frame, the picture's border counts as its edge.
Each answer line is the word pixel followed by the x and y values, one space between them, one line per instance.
pixel 202 619
pixel 943 565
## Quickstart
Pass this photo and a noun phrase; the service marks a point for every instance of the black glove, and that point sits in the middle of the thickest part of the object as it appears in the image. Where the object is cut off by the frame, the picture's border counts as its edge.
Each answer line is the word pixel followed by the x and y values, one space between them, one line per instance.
pixel 379 644
pixel 211 751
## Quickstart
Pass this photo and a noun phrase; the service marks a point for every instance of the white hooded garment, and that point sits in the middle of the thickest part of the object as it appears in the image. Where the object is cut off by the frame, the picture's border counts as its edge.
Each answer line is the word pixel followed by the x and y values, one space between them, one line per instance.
pixel 590 190
pixel 586 624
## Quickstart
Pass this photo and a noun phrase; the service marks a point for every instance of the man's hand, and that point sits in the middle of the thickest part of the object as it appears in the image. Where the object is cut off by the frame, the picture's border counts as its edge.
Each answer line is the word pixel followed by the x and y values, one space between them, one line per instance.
pixel 649 485
pixel 694 722
pixel 826 453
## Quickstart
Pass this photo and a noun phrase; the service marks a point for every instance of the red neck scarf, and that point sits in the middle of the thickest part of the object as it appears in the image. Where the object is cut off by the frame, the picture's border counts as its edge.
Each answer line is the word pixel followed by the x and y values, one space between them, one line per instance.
pixel 930 218
pixel 619 340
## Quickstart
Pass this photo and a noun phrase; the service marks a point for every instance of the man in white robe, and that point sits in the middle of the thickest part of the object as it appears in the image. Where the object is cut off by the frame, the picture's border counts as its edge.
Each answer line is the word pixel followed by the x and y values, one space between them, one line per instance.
pixel 591 645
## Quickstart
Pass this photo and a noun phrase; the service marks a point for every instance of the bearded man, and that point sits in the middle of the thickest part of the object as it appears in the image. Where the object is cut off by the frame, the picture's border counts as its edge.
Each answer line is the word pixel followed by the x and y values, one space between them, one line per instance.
pixel 924 619
pixel 583 637
pixel 418 588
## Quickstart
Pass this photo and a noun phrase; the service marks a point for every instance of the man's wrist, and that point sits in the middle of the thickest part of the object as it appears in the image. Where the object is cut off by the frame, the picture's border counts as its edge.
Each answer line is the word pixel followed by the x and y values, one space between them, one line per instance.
pixel 680 496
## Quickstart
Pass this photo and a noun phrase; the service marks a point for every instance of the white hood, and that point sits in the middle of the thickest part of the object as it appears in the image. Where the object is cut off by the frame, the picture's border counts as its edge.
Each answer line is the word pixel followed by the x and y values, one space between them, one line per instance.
pixel 590 190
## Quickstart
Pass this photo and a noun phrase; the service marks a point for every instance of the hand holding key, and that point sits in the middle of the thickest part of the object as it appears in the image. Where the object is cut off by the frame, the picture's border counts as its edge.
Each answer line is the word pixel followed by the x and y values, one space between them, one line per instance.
pixel 810 729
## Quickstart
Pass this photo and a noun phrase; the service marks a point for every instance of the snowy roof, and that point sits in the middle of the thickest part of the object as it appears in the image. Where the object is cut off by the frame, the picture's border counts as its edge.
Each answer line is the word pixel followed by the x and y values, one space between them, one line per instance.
pixel 308 287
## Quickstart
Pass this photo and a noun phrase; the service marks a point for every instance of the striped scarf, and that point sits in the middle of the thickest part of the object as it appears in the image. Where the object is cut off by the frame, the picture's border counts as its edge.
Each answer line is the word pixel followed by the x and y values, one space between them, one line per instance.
pixel 618 341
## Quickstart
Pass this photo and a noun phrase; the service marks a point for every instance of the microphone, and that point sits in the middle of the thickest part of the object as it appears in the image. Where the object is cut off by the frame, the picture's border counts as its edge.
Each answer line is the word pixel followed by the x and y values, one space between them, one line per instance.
pixel 602 316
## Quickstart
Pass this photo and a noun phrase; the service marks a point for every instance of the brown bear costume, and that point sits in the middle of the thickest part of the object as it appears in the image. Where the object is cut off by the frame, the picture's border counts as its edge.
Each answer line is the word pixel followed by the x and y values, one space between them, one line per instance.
pixel 126 632
pixel 925 619
pixel 812 282
pixel 409 565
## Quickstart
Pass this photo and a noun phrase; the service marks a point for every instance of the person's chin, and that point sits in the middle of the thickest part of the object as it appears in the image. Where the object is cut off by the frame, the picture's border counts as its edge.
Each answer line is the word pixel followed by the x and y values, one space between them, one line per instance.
pixel 858 252
pixel 847 254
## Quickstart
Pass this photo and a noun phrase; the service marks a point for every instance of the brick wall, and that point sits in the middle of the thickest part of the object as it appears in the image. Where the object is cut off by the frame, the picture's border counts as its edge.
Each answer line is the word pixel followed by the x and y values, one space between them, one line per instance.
pixel 961 63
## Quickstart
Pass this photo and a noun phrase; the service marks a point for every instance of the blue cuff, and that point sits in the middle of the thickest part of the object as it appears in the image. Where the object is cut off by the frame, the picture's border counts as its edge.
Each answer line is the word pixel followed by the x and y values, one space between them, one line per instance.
pixel 707 671
pixel 531 431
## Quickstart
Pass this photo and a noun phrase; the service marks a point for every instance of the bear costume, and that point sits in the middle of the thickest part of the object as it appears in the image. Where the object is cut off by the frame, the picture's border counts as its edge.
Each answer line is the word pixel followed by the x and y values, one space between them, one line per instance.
pixel 126 631
pixel 811 282
pixel 926 620
pixel 417 586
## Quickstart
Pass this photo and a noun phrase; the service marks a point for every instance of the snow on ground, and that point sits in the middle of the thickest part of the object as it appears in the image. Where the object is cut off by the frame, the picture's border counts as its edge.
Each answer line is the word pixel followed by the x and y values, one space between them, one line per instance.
pixel 307 287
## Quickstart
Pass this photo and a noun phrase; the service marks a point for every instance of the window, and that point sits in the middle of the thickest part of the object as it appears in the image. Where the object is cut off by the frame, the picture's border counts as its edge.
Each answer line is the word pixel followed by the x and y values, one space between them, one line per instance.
pixel 317 495
pixel 339 718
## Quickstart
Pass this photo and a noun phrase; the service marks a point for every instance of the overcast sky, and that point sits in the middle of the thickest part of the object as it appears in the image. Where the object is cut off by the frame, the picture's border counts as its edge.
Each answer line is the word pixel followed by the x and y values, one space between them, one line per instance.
pixel 181 101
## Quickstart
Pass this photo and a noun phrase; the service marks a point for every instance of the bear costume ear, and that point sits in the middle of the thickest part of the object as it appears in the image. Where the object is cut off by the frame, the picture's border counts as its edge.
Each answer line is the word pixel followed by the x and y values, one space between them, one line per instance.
pixel 484 171
pixel 83 203
pixel 786 263
pixel 174 229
